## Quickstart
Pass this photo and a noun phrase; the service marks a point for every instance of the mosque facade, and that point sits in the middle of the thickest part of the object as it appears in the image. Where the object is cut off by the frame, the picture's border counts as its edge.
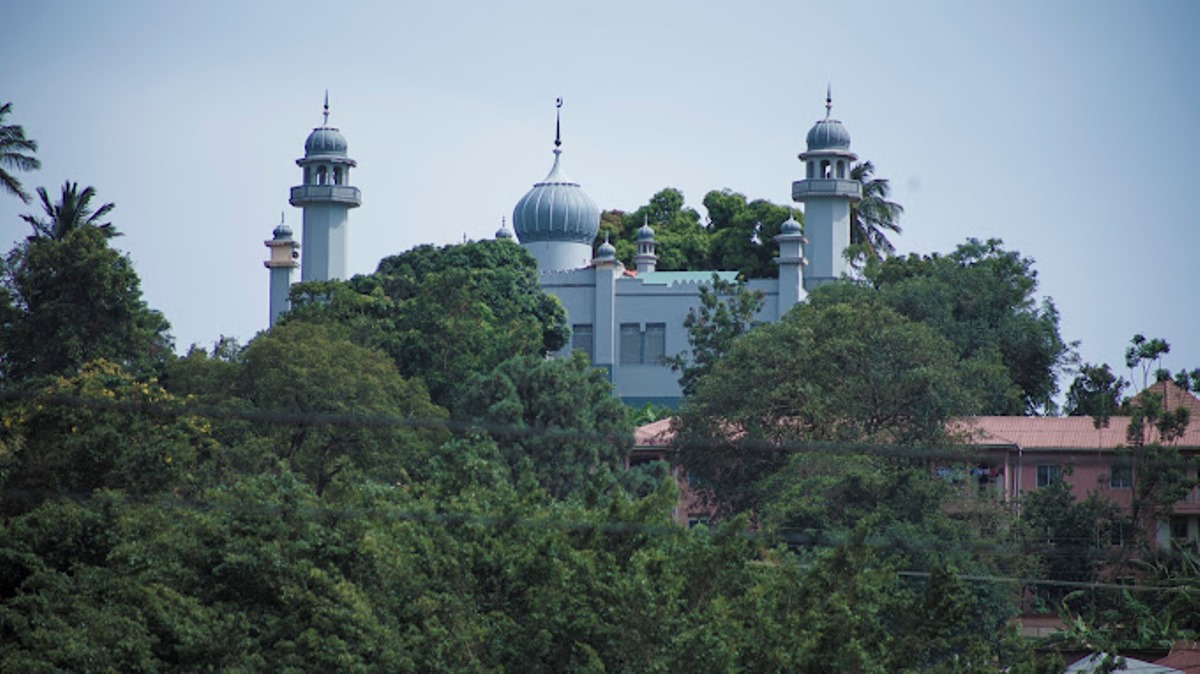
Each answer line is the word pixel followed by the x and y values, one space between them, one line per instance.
pixel 626 320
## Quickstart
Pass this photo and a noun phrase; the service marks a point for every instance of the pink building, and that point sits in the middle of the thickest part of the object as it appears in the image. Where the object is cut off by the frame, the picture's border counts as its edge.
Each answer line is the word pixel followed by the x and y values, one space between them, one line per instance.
pixel 1020 454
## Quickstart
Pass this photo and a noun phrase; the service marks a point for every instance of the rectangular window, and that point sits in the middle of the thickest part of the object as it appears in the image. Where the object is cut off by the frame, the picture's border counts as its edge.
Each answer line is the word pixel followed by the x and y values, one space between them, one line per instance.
pixel 1048 474
pixel 1120 476
pixel 581 340
pixel 1179 528
pixel 631 344
pixel 1120 531
pixel 655 345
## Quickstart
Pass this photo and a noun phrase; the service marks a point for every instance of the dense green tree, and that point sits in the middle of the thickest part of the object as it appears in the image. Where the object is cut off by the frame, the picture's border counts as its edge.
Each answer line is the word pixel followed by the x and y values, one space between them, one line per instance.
pixel 683 241
pixel 66 301
pixel 16 154
pixel 743 233
pixel 72 211
pixel 1072 540
pixel 1096 393
pixel 342 408
pixel 556 419
pixel 442 314
pixel 873 216
pixel 981 298
pixel 739 234
pixel 846 372
pixel 99 429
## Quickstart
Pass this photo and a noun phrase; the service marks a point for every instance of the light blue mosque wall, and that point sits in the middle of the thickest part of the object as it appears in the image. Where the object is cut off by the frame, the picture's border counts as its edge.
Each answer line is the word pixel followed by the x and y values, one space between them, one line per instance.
pixel 651 301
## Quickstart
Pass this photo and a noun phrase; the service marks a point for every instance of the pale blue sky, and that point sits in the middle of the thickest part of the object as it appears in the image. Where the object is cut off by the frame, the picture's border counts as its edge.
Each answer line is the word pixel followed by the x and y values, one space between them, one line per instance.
pixel 1068 129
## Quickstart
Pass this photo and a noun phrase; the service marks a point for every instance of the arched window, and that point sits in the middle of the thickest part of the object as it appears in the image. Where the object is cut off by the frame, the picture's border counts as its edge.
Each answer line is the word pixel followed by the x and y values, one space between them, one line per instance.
pixel 307 175
pixel 825 174
pixel 337 175
pixel 841 169
pixel 321 175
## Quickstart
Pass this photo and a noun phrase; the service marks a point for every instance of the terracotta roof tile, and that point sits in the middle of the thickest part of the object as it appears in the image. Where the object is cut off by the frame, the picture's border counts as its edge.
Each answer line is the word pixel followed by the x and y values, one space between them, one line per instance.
pixel 654 434
pixel 1026 432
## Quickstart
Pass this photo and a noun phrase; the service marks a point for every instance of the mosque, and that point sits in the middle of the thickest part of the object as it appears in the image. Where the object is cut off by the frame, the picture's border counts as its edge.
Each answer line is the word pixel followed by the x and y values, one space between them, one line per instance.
pixel 625 320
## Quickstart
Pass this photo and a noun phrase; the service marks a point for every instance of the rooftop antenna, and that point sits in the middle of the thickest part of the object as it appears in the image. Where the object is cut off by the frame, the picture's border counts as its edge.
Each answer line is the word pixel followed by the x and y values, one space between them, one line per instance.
pixel 325 122
pixel 828 100
pixel 558 122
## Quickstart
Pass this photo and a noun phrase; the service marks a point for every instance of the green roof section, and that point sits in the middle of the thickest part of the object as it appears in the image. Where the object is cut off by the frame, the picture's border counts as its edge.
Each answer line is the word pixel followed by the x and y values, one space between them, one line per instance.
pixel 669 277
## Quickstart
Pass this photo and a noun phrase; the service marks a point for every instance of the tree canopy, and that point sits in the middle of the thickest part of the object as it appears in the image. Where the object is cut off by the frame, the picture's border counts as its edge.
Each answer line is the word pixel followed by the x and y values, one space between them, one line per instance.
pixel 70 299
pixel 444 313
pixel 739 234
pixel 982 298
pixel 346 409
pixel 556 420
pixel 829 372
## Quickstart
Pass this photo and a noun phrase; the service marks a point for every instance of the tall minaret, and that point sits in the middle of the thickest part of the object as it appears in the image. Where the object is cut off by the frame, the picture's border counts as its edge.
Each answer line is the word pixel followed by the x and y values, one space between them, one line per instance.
pixel 826 192
pixel 326 197
pixel 284 252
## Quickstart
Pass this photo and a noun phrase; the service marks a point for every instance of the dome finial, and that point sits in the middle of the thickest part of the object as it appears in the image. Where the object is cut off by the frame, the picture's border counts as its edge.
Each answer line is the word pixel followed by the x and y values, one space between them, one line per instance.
pixel 325 121
pixel 558 122
pixel 828 100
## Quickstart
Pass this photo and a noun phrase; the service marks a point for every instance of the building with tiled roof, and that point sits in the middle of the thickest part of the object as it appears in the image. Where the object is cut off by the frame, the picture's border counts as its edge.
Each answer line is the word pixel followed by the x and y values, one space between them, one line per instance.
pixel 1020 454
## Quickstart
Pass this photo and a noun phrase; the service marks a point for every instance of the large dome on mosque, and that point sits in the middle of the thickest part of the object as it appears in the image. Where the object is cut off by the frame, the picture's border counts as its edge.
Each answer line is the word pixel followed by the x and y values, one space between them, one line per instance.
pixel 556 209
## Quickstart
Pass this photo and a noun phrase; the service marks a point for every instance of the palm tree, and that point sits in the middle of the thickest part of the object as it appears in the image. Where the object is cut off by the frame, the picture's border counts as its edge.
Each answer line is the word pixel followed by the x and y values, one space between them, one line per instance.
pixel 72 212
pixel 14 147
pixel 871 217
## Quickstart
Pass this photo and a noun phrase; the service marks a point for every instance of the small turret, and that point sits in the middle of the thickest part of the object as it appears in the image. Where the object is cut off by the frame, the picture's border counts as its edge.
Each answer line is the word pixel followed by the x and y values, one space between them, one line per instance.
pixel 282 263
pixel 645 261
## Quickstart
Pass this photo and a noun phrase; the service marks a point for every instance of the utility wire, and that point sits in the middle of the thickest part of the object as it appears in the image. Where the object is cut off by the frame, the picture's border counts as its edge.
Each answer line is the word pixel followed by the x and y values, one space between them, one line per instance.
pixel 960 453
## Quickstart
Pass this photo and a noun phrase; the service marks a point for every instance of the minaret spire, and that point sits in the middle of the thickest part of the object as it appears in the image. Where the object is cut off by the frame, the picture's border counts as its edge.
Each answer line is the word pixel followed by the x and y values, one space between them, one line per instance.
pixel 558 123
pixel 325 122
pixel 828 100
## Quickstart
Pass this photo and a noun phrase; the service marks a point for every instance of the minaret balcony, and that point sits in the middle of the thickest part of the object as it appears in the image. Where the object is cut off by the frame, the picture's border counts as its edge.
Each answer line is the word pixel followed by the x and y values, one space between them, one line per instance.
pixel 827 187
pixel 324 194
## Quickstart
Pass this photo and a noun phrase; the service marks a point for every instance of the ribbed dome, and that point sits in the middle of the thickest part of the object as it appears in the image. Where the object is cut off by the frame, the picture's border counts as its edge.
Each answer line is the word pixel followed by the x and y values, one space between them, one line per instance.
pixel 282 233
pixel 790 226
pixel 325 140
pixel 645 233
pixel 606 251
pixel 828 134
pixel 556 209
